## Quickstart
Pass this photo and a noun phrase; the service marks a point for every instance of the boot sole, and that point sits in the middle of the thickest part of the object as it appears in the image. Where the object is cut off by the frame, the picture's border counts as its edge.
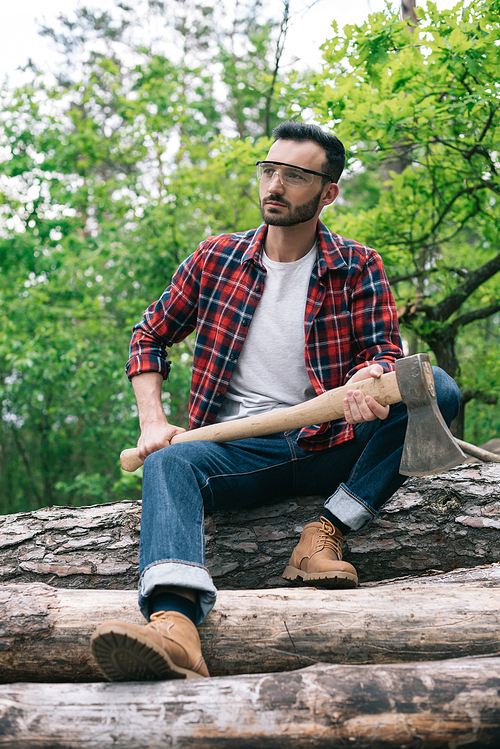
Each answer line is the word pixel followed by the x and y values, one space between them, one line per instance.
pixel 122 656
pixel 333 580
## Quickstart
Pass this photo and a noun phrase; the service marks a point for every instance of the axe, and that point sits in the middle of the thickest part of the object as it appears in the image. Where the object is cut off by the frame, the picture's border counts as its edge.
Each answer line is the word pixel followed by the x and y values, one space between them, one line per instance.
pixel 429 446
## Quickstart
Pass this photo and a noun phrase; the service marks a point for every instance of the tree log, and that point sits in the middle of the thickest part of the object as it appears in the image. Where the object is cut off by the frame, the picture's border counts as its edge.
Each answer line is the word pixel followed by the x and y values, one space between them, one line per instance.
pixel 439 523
pixel 45 632
pixel 445 704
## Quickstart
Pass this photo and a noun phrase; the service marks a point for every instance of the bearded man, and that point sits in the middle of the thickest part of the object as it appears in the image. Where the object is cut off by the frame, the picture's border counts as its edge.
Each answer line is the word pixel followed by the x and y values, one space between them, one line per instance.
pixel 282 314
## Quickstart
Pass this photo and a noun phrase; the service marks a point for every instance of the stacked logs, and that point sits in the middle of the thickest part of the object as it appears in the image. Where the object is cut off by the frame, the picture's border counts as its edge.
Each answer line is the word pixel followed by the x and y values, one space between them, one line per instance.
pixel 405 662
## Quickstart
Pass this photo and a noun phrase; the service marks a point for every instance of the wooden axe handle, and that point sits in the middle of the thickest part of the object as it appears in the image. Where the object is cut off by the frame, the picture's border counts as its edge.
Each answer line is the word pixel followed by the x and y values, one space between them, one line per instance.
pixel 323 408
pixel 478 452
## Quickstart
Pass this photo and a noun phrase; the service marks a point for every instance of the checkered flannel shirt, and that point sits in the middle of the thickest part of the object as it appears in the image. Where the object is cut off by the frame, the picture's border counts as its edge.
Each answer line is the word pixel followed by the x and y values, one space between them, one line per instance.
pixel 350 320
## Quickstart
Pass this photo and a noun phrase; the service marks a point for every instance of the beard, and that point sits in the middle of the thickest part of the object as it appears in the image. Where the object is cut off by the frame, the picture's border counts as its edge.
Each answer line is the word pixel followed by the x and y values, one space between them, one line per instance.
pixel 298 215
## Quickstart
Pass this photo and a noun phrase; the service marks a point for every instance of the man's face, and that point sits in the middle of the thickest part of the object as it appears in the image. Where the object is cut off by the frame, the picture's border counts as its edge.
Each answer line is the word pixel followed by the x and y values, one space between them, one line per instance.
pixel 281 205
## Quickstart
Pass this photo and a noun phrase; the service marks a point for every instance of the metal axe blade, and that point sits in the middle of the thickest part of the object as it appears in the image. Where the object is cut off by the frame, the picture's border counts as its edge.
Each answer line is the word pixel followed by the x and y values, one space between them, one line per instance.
pixel 429 445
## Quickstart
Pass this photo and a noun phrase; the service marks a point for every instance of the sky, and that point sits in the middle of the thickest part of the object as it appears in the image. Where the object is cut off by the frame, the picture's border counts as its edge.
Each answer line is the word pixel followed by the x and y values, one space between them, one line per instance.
pixel 310 27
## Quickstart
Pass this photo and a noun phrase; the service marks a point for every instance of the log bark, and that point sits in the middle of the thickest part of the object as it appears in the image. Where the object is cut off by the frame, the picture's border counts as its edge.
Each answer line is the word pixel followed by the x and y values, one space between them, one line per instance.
pixel 432 523
pixel 45 631
pixel 445 704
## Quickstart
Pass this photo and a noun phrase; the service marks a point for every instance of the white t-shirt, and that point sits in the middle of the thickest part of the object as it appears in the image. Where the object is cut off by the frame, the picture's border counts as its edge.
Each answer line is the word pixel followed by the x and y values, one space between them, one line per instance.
pixel 271 372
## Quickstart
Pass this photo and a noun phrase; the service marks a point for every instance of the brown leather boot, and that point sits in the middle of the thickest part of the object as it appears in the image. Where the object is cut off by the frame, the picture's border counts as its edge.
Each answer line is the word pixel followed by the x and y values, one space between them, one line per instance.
pixel 166 648
pixel 317 558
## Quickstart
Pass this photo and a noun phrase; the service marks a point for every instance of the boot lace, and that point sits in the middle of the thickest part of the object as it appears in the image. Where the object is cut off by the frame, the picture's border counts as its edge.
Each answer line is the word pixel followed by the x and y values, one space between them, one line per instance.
pixel 327 538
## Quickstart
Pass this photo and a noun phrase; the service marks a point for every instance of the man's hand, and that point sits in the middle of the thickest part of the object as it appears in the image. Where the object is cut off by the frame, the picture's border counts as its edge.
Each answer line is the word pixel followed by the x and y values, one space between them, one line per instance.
pixel 155 436
pixel 358 407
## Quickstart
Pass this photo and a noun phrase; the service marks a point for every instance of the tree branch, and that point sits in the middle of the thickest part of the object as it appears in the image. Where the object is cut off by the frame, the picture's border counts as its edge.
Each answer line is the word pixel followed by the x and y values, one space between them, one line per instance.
pixel 470 394
pixel 486 127
pixel 416 274
pixel 478 314
pixel 444 309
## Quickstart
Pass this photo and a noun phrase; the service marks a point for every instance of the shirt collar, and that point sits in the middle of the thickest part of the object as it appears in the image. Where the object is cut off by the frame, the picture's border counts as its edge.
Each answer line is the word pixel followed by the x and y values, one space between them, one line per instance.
pixel 256 246
pixel 329 254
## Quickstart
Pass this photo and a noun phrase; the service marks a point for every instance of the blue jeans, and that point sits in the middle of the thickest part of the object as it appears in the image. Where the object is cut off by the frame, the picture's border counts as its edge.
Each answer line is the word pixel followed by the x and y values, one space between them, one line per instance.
pixel 181 481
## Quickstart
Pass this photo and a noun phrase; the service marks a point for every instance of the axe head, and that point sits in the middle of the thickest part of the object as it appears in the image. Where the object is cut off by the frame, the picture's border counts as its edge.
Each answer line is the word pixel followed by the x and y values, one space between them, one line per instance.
pixel 429 445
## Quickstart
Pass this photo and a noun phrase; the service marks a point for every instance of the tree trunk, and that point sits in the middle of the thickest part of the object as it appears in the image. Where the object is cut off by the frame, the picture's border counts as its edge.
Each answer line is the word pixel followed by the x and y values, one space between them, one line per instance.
pixel 45 631
pixel 408 10
pixel 457 427
pixel 432 523
pixel 444 704
pixel 443 347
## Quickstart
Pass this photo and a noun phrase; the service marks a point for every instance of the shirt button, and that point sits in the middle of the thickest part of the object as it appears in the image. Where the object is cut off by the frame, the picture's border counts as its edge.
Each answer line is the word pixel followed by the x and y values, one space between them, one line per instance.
pixel 257 289
pixel 232 357
pixel 244 323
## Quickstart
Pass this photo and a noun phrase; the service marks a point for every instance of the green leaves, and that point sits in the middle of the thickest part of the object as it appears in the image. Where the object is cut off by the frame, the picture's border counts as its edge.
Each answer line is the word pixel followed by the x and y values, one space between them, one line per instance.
pixel 108 180
pixel 111 177
pixel 419 110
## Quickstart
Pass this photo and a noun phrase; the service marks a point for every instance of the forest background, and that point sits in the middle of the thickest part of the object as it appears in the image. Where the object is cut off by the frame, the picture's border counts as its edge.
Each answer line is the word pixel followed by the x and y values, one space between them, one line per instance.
pixel 114 170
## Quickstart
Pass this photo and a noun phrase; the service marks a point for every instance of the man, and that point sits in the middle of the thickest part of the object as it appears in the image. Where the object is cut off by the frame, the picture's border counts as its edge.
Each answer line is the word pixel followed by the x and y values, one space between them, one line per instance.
pixel 282 314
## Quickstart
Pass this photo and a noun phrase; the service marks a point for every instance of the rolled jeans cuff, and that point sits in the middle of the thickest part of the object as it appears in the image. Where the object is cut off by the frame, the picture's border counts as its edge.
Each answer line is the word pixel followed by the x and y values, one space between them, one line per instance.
pixel 350 509
pixel 180 575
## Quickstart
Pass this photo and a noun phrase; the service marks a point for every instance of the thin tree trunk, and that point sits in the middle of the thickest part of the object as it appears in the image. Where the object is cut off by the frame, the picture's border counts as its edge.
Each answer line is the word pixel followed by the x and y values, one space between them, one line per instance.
pixel 408 10
pixel 277 60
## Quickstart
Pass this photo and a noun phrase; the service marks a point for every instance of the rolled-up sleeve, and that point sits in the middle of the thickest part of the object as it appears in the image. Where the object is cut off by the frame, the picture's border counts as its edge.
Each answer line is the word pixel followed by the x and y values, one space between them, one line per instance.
pixel 375 336
pixel 165 322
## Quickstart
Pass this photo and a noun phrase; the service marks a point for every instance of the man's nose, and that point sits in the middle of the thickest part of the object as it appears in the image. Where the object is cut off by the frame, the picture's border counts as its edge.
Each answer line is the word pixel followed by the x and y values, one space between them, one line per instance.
pixel 275 182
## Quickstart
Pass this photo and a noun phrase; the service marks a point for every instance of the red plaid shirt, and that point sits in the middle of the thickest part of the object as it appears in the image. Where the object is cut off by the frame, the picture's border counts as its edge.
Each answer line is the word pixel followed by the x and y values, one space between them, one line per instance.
pixel 350 320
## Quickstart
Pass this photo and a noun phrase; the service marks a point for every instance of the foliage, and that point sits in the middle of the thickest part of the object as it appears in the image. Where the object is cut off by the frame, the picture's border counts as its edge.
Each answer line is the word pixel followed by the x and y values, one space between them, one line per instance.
pixel 113 172
pixel 419 108
pixel 109 178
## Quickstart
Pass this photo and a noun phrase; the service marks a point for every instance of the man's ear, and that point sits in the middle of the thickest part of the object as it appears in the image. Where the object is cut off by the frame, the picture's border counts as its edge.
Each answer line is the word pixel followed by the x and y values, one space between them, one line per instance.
pixel 330 194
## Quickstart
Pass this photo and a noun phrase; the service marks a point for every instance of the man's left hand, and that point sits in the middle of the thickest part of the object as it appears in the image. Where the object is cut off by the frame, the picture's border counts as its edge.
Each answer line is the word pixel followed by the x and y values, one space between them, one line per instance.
pixel 358 407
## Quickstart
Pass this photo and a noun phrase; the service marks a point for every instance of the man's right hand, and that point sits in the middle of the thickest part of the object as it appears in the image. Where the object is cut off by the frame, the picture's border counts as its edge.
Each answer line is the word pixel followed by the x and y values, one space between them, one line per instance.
pixel 156 436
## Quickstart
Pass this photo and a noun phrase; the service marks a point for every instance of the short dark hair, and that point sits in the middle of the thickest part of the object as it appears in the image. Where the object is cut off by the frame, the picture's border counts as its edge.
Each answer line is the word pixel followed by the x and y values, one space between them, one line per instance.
pixel 334 148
